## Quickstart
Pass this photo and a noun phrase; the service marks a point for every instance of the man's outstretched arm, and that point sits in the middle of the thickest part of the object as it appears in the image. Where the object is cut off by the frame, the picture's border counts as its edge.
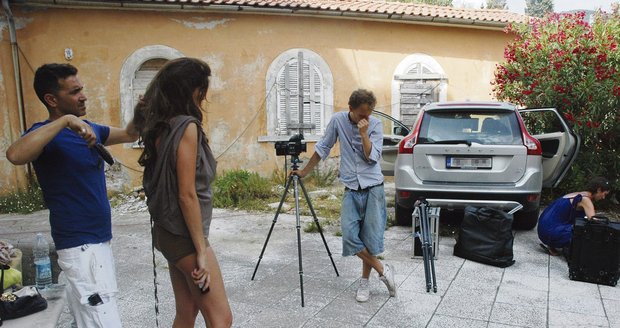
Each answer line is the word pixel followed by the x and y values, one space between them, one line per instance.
pixel 118 135
pixel 28 148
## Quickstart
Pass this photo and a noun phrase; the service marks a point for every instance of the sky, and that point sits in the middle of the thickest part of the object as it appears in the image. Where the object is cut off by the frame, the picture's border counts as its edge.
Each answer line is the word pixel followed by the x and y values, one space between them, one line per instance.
pixel 558 5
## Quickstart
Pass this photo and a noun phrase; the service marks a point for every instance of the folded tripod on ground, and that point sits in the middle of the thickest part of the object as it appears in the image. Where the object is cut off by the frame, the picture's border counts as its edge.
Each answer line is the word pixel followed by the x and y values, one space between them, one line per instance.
pixel 426 238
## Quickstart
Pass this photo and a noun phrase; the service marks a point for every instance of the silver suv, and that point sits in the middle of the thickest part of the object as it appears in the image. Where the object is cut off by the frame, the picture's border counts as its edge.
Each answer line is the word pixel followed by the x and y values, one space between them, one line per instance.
pixel 463 153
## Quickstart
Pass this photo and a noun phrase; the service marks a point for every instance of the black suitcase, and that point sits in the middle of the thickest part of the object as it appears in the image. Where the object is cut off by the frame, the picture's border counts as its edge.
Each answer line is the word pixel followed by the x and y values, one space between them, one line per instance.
pixel 595 252
pixel 486 236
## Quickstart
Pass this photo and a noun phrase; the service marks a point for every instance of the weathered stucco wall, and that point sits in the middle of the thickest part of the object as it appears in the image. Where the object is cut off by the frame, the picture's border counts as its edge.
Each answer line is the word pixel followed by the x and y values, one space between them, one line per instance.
pixel 239 48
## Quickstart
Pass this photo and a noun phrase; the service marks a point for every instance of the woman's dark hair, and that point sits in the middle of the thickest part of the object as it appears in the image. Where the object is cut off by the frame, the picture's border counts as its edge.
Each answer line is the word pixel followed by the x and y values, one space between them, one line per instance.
pixel 596 183
pixel 362 96
pixel 46 79
pixel 170 94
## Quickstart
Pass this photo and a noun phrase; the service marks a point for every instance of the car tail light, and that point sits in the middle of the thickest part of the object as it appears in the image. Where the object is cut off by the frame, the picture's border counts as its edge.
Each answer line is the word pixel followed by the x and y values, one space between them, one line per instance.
pixel 532 144
pixel 404 194
pixel 533 197
pixel 406 145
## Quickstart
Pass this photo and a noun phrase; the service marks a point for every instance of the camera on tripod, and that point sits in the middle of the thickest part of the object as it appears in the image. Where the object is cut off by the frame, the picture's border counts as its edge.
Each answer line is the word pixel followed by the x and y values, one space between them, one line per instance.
pixel 293 147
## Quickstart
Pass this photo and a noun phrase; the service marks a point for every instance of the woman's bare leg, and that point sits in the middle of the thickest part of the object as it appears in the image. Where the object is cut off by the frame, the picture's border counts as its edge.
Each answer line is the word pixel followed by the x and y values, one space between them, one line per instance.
pixel 214 304
pixel 186 310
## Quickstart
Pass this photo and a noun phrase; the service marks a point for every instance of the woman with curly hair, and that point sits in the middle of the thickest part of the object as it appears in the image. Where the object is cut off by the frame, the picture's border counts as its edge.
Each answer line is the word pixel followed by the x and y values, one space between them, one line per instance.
pixel 179 168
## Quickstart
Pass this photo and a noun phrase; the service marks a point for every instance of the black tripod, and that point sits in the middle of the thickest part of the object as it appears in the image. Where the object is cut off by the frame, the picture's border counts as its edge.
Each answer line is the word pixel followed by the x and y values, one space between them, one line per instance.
pixel 427 245
pixel 295 179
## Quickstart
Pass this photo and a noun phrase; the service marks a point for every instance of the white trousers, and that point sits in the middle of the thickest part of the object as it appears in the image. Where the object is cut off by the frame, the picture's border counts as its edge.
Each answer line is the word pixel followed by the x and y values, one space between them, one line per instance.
pixel 90 271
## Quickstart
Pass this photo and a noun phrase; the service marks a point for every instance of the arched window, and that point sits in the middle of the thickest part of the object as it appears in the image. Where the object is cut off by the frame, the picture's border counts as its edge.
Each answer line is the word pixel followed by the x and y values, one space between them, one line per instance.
pixel 294 107
pixel 137 72
pixel 143 76
pixel 418 80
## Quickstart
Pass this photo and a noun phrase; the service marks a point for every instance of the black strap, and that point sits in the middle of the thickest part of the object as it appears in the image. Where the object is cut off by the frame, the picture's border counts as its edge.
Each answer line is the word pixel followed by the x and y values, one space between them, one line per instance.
pixel 573 212
pixel 2 268
pixel 599 219
pixel 154 276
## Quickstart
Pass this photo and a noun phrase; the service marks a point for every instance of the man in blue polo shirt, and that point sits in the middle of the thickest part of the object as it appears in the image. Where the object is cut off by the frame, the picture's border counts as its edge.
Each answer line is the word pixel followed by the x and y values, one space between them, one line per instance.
pixel 71 175
pixel 363 214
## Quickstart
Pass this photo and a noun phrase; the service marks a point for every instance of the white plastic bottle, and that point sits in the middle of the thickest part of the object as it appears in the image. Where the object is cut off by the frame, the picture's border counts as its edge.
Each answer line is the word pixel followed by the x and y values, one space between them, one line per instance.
pixel 43 266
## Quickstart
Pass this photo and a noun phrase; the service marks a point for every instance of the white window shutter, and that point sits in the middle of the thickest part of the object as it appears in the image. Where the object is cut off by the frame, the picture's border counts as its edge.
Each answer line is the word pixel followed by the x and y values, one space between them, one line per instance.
pixel 317 101
pixel 419 89
pixel 141 80
pixel 313 97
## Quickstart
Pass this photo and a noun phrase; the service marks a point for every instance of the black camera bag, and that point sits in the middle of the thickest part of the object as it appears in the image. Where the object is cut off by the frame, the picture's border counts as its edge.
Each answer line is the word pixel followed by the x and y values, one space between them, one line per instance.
pixel 486 236
pixel 13 306
pixel 595 251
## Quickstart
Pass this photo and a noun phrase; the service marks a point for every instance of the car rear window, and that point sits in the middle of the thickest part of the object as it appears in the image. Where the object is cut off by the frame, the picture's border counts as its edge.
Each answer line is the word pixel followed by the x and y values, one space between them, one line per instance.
pixel 484 127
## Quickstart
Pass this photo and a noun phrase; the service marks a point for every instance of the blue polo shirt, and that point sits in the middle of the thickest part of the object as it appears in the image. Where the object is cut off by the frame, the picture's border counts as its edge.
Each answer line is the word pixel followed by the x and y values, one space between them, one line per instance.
pixel 72 179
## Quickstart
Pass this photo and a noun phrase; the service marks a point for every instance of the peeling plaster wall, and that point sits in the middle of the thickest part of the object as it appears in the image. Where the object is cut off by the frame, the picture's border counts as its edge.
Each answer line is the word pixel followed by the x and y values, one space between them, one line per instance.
pixel 7 170
pixel 201 23
pixel 9 122
pixel 20 23
pixel 239 48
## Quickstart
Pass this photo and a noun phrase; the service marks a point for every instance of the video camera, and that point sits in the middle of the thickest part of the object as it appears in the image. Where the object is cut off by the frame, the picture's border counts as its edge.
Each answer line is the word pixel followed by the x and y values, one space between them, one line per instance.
pixel 293 147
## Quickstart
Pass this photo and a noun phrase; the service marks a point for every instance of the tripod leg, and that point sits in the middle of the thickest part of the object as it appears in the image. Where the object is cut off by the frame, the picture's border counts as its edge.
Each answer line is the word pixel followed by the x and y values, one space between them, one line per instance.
pixel 316 221
pixel 431 251
pixel 425 251
pixel 298 227
pixel 275 219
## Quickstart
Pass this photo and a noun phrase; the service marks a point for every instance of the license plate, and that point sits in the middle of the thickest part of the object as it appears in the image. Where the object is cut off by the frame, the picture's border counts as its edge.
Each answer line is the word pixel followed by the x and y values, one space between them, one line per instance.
pixel 474 163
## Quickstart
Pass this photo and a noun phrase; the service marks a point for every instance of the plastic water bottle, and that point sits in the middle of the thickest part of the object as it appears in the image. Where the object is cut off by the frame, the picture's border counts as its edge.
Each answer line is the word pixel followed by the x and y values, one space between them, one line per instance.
pixel 43 266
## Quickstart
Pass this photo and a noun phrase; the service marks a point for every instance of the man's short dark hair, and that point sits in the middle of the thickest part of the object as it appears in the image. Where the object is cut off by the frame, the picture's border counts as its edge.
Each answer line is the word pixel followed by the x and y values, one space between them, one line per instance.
pixel 46 78
pixel 362 96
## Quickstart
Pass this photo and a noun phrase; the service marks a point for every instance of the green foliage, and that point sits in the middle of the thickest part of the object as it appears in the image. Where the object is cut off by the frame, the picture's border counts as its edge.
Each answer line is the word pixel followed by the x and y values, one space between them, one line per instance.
pixel 564 62
pixel 241 189
pixel 437 2
pixel 311 227
pixel 496 4
pixel 538 8
pixel 324 221
pixel 23 201
pixel 279 177
pixel 322 178
pixel 447 3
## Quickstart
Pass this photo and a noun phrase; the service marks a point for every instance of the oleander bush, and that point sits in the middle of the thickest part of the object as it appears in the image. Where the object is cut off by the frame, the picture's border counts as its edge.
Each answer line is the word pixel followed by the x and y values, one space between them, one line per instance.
pixel 566 62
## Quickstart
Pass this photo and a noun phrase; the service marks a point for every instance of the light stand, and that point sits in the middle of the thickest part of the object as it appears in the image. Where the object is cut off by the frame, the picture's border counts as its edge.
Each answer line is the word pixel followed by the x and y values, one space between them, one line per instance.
pixel 296 181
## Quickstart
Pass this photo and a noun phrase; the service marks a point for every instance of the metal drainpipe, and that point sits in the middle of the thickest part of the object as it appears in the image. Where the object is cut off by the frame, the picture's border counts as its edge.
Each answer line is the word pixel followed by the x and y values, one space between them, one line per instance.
pixel 17 73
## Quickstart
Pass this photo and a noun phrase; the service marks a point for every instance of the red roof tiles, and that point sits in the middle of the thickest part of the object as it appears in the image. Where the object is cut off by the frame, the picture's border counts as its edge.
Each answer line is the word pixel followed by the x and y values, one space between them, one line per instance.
pixel 362 8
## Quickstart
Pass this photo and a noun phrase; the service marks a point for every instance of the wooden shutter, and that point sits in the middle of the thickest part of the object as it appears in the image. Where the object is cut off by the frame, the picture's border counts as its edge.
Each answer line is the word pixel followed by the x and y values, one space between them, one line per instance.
pixel 143 76
pixel 418 88
pixel 288 99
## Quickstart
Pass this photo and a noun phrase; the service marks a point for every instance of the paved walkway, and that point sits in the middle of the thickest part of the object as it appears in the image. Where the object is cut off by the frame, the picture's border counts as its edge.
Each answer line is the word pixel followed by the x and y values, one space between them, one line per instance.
pixel 535 292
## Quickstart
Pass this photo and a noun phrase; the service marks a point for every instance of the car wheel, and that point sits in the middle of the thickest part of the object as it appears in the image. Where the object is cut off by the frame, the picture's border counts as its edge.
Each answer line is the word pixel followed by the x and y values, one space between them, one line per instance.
pixel 525 220
pixel 403 215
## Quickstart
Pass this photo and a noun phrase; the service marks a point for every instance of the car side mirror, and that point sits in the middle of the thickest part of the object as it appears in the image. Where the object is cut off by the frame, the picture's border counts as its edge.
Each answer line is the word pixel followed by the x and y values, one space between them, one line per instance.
pixel 400 131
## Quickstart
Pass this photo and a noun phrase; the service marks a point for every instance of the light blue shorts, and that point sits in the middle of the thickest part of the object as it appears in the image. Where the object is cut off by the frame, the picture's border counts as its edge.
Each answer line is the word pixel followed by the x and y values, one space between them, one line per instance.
pixel 363 217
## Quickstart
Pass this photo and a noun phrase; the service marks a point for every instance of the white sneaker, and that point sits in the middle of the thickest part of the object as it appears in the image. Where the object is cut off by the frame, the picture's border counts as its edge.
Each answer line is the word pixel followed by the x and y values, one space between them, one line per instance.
pixel 363 291
pixel 388 279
